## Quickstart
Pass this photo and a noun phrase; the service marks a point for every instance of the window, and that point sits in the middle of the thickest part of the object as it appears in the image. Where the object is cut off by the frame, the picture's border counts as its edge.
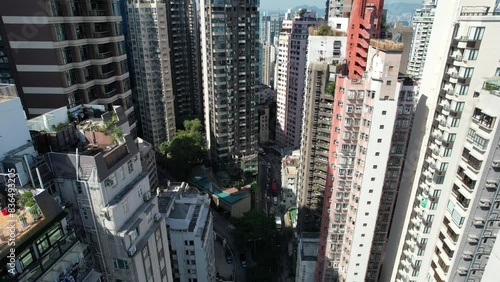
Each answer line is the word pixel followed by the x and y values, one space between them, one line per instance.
pixel 125 207
pixel 476 33
pixel 372 179
pixel 377 153
pixel 389 82
pixel 370 191
pixel 130 166
pixel 375 166
pixel 384 113
pixel 369 202
pixel 497 72
pixel 470 54
pixel 120 263
pixel 381 127
pixel 379 140
pixel 465 72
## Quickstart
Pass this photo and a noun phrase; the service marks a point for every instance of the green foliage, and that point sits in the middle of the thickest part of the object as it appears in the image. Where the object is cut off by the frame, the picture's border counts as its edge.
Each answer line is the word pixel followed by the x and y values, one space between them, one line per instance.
pixel 256 231
pixel 26 199
pixel 254 186
pixel 260 273
pixel 186 148
pixel 330 88
pixel 29 203
pixel 110 128
pixel 59 126
pixel 253 225
pixel 324 29
pixel 116 133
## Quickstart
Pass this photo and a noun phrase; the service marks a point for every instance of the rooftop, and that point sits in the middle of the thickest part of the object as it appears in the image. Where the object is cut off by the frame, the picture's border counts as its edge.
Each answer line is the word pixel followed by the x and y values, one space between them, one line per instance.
pixel 386 45
pixel 291 170
pixel 183 205
pixel 325 30
pixel 29 222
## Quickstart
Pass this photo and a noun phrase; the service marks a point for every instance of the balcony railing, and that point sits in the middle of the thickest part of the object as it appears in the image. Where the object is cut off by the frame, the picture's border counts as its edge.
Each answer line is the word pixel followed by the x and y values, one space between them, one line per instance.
pixel 104 55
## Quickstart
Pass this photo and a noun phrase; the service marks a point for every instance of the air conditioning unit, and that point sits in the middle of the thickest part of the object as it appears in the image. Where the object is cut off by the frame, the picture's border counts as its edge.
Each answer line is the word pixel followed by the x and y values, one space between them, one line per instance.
pixel 147 196
pixel 158 217
pixel 131 250
pixel 336 142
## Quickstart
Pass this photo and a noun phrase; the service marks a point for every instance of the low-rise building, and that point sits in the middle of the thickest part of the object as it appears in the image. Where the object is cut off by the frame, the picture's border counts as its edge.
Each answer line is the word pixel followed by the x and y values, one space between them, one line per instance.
pixel 289 179
pixel 190 228
pixel 307 256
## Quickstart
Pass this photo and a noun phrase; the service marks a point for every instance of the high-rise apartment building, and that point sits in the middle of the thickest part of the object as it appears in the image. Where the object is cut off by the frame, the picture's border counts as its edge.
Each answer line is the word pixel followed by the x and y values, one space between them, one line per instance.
pixel 451 220
pixel 268 64
pixel 290 70
pixel 402 34
pixel 270 27
pixel 190 229
pixel 97 169
pixel 422 22
pixel 230 55
pixel 163 43
pixel 365 23
pixel 323 54
pixel 67 53
pixel 150 54
pixel 338 8
pixel 354 140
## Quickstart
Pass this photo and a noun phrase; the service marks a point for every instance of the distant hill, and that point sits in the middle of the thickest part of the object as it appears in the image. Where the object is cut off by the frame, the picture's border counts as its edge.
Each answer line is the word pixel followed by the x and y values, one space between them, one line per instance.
pixel 320 12
pixel 396 9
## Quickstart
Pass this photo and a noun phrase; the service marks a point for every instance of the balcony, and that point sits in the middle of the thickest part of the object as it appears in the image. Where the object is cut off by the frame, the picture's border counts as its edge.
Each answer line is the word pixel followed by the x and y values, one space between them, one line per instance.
pixel 104 55
pixel 100 34
pixel 484 203
pixel 484 121
pixel 107 74
pixel 478 221
pixel 493 86
pixel 491 184
pixel 495 163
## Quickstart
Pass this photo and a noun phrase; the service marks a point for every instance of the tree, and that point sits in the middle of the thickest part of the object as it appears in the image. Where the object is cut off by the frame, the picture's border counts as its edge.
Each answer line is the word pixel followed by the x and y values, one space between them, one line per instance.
pixel 254 225
pixel 256 231
pixel 185 149
pixel 324 29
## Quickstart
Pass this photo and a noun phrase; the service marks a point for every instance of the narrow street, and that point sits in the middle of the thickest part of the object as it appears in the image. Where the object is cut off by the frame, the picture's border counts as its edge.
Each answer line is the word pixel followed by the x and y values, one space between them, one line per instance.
pixel 222 227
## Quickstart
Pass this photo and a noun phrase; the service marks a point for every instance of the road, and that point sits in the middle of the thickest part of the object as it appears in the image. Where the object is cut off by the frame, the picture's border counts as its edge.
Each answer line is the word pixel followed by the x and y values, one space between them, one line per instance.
pixel 222 227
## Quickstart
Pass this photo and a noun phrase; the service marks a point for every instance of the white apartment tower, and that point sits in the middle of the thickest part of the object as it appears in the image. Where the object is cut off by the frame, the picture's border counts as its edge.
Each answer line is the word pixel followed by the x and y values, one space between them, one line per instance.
pixel 422 22
pixel 148 40
pixel 190 230
pixel 290 75
pixel 230 59
pixel 451 220
pixel 98 173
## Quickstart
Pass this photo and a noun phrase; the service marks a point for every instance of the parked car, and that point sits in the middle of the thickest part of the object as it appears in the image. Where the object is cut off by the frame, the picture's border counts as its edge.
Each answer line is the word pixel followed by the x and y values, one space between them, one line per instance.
pixel 243 260
pixel 229 257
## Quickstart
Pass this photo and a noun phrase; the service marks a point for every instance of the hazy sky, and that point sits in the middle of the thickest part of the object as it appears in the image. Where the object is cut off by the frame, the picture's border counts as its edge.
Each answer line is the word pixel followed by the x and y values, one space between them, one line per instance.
pixel 287 4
